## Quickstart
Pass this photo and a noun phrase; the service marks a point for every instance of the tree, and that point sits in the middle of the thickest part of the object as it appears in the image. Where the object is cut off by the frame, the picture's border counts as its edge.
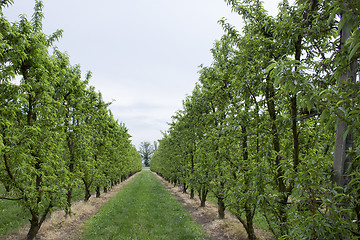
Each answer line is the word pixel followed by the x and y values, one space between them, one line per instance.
pixel 146 150
pixel 35 169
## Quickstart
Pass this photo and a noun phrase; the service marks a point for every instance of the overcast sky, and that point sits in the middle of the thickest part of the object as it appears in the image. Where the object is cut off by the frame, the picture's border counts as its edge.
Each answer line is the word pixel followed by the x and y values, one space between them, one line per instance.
pixel 144 54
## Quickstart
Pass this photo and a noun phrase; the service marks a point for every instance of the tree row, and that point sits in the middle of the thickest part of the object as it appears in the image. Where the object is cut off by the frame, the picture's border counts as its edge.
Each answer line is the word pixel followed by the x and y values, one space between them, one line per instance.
pixel 272 126
pixel 56 131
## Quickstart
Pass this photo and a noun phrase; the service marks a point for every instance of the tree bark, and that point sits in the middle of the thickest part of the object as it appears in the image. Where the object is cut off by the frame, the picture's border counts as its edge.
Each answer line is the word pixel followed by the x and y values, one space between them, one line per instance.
pixel 192 193
pixel 270 94
pixel 68 196
pixel 87 191
pixel 249 223
pixel 70 143
pixel 221 208
pixel 98 193
pixel 34 228
pixel 249 227
pixel 342 160
pixel 203 194
pixel 36 221
pixel 184 188
pixel 294 110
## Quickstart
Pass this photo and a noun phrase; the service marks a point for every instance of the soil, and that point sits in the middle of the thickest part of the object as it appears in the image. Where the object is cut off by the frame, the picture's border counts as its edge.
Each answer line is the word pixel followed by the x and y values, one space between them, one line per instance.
pixel 61 227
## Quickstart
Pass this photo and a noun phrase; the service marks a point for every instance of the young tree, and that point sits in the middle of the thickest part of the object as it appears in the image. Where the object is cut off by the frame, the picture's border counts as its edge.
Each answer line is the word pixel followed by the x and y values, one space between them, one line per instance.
pixel 35 170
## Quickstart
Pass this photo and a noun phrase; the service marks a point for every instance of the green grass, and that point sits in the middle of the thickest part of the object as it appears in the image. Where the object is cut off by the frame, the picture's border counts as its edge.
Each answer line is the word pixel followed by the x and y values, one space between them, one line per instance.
pixel 12 215
pixel 143 209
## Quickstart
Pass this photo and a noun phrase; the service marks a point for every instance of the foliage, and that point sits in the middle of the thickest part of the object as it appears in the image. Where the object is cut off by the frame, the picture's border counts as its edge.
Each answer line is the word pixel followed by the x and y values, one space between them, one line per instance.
pixel 259 129
pixel 55 129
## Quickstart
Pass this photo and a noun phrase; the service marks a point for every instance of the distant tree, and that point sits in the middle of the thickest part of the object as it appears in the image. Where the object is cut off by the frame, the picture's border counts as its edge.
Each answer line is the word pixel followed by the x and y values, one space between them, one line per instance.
pixel 146 150
pixel 156 144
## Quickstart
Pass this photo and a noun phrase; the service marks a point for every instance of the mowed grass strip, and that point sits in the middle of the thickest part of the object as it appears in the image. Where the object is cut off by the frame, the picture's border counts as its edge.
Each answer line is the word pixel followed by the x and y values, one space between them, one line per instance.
pixel 143 209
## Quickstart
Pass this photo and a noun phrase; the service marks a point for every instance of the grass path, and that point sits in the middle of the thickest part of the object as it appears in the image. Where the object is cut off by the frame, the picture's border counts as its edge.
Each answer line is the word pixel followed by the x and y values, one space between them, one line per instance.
pixel 143 209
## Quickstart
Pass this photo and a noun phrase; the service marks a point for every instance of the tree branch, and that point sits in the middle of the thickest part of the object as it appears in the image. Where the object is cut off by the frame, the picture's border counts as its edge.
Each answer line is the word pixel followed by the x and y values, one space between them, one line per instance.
pixel 11 199
pixel 308 116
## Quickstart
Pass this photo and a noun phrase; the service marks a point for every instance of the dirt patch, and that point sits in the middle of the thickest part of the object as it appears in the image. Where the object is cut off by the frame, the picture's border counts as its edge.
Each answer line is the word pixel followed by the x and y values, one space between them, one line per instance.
pixel 59 227
pixel 216 229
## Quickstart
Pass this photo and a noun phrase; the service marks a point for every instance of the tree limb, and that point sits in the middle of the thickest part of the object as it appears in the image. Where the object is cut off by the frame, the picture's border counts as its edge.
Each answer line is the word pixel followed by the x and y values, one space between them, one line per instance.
pixel 308 116
pixel 11 199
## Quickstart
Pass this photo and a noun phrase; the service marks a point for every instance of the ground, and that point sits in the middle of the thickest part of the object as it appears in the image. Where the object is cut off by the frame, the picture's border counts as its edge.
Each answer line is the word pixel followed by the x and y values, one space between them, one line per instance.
pixel 59 227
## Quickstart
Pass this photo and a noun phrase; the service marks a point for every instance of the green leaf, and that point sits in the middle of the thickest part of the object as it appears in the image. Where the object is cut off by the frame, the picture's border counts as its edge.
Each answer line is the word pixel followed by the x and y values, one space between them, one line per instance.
pixel 332 16
pixel 270 67
pixel 354 50
pixel 342 22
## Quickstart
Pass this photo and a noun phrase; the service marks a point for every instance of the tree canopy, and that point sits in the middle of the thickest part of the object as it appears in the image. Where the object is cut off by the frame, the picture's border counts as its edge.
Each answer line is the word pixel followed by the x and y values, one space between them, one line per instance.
pixel 56 131
pixel 272 126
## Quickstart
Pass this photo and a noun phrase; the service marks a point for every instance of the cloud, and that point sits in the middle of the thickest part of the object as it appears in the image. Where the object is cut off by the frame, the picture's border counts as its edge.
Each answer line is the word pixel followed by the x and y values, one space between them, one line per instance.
pixel 144 121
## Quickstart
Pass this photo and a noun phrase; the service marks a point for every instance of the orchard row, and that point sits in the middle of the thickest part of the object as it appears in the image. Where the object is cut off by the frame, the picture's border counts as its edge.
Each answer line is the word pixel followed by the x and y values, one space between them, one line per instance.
pixel 56 131
pixel 272 127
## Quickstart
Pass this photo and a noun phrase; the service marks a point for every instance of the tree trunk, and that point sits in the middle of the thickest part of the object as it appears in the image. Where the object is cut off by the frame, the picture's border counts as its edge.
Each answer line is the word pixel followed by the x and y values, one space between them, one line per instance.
pixel 36 221
pixel 203 194
pixel 87 194
pixel 70 144
pixel 68 207
pixel 294 110
pixel 296 151
pixel 281 212
pixel 221 208
pixel 342 160
pixel 203 202
pixel 270 94
pixel 184 188
pixel 87 191
pixel 98 193
pixel 34 228
pixel 192 172
pixel 248 222
pixel 192 193
pixel 250 232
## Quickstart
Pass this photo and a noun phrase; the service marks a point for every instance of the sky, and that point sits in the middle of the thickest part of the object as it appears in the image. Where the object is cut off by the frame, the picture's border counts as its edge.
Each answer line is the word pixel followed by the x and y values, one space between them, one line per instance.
pixel 144 55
